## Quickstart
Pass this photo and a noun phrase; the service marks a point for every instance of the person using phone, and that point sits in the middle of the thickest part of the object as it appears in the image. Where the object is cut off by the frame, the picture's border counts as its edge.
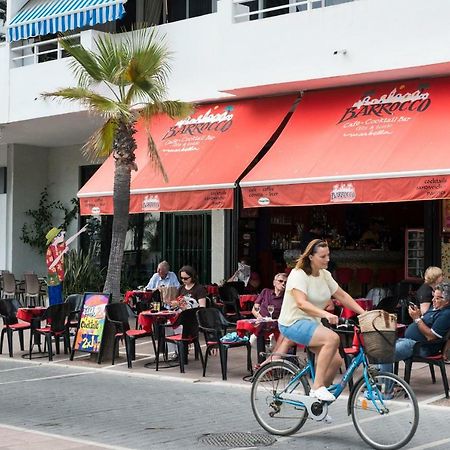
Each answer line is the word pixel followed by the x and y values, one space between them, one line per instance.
pixel 425 329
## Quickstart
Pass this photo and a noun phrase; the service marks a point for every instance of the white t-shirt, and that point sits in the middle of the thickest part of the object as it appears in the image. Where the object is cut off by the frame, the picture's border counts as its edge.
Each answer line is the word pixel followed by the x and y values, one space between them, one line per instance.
pixel 318 291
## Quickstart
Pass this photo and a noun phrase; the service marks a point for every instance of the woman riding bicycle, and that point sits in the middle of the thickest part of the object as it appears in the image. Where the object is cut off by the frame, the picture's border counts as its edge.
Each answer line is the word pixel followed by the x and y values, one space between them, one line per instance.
pixel 309 288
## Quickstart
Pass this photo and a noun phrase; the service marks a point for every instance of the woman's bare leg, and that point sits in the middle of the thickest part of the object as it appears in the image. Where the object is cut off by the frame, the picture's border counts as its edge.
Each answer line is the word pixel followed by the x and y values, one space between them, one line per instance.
pixel 325 344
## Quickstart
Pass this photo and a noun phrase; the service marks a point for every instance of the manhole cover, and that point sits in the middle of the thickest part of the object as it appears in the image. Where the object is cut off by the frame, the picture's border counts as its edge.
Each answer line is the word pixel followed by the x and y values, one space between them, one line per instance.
pixel 237 439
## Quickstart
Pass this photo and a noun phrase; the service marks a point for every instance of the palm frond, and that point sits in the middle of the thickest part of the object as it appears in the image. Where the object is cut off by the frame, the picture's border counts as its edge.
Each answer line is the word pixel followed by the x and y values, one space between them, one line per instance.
pixel 100 144
pixel 112 58
pixel 84 65
pixel 173 108
pixel 100 104
pixel 154 156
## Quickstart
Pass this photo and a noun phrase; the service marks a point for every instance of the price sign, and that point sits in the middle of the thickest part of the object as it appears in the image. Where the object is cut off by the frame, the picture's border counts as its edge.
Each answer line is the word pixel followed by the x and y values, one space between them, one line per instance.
pixel 92 323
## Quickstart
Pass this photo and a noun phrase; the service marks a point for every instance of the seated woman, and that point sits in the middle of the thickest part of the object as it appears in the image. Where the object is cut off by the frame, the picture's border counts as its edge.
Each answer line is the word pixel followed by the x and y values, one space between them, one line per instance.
pixel 433 276
pixel 190 289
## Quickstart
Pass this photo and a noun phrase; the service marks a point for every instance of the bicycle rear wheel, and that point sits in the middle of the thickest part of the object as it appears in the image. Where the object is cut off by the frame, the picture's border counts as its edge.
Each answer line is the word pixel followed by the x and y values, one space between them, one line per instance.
pixel 388 417
pixel 272 414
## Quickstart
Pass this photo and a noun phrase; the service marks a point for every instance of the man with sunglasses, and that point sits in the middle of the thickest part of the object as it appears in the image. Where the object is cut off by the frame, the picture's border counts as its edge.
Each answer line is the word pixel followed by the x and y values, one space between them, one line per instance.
pixel 268 297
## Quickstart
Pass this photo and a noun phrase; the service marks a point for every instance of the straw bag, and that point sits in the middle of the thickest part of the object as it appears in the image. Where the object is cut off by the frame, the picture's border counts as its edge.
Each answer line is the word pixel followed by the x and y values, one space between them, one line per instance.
pixel 379 330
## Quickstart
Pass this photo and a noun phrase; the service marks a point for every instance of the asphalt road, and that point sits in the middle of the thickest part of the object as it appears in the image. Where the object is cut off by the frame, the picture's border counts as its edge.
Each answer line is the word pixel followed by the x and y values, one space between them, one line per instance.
pixel 135 411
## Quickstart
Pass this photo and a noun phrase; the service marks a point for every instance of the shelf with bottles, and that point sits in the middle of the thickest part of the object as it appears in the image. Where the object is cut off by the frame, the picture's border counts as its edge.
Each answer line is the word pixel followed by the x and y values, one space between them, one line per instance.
pixel 281 220
pixel 285 241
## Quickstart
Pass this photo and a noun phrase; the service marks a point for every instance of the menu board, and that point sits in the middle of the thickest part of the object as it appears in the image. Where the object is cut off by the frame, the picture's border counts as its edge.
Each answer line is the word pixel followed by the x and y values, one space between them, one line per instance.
pixel 446 216
pixel 92 323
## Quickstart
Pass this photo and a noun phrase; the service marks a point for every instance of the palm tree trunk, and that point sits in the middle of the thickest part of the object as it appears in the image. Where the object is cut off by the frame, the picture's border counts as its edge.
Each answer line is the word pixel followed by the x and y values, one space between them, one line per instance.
pixel 124 147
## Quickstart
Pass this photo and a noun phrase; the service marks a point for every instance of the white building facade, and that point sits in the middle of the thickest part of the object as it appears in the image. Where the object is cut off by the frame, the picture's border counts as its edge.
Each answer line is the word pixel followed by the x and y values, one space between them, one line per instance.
pixel 234 52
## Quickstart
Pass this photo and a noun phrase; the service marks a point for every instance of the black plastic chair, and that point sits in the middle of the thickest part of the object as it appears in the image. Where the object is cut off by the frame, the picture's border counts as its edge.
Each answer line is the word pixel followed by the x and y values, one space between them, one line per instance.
pixel 76 302
pixel 229 297
pixel 188 320
pixel 433 360
pixel 8 312
pixel 214 326
pixel 56 317
pixel 119 314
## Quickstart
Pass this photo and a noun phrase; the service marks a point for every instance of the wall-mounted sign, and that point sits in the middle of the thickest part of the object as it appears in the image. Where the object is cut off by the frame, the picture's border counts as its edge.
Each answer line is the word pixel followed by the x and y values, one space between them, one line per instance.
pixel 91 323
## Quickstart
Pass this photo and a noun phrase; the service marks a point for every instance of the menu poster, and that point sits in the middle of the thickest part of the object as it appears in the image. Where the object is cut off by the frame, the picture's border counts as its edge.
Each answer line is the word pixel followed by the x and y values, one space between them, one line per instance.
pixel 92 323
pixel 446 216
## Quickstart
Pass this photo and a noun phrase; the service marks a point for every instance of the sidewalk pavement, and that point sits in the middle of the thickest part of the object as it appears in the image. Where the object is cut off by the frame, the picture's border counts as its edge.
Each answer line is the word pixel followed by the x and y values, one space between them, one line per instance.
pixel 15 436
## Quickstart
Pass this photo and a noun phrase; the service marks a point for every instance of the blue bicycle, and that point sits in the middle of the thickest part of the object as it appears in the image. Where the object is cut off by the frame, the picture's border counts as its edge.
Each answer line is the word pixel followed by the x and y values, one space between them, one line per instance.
pixel 377 401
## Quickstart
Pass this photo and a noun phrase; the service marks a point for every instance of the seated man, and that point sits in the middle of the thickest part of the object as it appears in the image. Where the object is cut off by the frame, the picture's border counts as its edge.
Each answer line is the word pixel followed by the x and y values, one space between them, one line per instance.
pixel 268 299
pixel 433 325
pixel 162 278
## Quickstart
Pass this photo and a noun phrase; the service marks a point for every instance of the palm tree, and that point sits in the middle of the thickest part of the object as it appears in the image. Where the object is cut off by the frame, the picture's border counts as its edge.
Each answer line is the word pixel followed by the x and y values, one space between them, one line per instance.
pixel 134 69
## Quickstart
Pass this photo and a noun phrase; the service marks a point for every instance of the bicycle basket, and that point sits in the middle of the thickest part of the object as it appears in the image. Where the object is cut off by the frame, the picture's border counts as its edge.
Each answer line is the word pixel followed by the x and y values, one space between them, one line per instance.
pixel 379 331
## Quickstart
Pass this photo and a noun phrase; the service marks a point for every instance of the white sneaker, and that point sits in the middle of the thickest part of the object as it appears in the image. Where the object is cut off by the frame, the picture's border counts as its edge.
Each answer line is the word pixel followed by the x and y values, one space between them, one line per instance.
pixel 322 394
pixel 328 419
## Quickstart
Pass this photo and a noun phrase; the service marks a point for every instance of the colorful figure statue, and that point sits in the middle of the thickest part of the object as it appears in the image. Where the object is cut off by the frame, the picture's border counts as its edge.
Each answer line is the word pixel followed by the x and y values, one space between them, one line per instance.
pixel 55 262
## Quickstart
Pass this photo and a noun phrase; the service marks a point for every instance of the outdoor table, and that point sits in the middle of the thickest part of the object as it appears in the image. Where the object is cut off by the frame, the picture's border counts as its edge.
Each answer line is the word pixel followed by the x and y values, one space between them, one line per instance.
pixel 131 297
pixel 34 316
pixel 246 301
pixel 156 321
pixel 261 328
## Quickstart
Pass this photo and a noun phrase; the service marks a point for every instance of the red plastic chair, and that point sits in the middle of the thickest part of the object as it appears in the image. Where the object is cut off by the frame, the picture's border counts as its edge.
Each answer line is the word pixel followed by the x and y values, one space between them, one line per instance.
pixel 344 276
pixel 364 276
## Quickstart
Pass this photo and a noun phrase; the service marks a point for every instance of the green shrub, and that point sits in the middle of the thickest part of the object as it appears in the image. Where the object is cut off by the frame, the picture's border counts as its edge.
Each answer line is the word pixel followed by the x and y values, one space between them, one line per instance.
pixel 82 272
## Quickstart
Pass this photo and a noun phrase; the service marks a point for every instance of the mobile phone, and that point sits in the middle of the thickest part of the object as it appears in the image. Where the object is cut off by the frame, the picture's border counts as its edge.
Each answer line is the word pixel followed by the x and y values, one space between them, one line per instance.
pixel 412 305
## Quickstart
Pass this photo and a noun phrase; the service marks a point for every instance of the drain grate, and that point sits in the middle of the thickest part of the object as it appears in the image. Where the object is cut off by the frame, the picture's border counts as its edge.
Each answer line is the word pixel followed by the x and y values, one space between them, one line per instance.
pixel 237 439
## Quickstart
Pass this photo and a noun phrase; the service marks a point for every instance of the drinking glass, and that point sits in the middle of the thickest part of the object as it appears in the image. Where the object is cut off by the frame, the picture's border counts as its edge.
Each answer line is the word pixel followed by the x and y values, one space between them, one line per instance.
pixel 271 309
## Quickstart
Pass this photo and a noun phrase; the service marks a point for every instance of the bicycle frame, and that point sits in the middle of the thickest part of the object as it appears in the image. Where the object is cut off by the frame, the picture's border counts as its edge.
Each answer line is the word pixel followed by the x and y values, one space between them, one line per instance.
pixel 338 388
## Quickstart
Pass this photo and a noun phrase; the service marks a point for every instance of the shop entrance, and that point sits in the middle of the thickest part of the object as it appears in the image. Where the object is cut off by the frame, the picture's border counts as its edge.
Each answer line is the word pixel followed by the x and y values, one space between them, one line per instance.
pixel 389 239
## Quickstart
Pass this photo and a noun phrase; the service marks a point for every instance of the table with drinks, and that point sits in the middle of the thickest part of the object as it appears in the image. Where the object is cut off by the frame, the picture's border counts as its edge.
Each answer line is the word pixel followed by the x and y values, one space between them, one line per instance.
pixel 156 319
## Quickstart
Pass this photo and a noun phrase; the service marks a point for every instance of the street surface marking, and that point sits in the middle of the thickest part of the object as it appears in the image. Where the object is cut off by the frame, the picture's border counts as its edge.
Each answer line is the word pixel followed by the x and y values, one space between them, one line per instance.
pixel 69 375
pixel 432 444
pixel 16 368
pixel 63 438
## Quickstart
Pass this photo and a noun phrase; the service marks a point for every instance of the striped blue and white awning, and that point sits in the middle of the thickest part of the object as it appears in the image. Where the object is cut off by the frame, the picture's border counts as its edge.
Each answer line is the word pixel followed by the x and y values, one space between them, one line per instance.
pixel 41 17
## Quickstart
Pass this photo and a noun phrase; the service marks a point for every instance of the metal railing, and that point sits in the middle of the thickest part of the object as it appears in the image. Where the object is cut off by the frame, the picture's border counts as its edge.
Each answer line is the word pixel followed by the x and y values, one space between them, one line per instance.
pixel 259 9
pixel 39 52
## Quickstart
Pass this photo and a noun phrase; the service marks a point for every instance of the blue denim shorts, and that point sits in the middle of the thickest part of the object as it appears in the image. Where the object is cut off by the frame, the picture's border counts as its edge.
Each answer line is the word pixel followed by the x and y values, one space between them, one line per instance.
pixel 300 331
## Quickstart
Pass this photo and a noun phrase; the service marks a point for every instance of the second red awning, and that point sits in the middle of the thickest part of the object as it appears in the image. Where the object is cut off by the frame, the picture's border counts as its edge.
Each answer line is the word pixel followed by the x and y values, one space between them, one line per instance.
pixel 379 143
pixel 203 156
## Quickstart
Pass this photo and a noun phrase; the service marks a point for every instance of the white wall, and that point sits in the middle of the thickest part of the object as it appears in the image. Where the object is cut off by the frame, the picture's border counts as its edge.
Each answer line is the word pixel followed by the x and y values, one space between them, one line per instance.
pixel 3 214
pixel 217 246
pixel 63 177
pixel 4 84
pixel 3 263
pixel 29 169
pixel 211 54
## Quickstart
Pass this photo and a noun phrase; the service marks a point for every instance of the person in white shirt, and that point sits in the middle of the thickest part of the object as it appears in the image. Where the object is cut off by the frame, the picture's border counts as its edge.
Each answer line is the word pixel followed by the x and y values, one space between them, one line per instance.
pixel 162 278
pixel 308 291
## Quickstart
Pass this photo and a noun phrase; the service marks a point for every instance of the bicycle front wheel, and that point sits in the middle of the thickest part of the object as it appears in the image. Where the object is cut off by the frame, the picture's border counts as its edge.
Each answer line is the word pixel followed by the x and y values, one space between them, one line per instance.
pixel 386 416
pixel 272 414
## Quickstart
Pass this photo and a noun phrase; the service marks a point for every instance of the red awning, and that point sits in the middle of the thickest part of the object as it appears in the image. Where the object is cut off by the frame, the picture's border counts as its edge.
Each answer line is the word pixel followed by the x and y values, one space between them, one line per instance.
pixel 380 143
pixel 203 156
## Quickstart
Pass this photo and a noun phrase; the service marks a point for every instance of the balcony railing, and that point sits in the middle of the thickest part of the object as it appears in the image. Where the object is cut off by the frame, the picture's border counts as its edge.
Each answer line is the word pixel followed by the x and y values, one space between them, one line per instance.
pixel 39 52
pixel 259 9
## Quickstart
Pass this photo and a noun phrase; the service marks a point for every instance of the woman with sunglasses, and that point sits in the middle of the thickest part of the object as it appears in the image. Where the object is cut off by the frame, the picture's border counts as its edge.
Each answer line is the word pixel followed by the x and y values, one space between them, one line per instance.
pixel 190 286
pixel 308 291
